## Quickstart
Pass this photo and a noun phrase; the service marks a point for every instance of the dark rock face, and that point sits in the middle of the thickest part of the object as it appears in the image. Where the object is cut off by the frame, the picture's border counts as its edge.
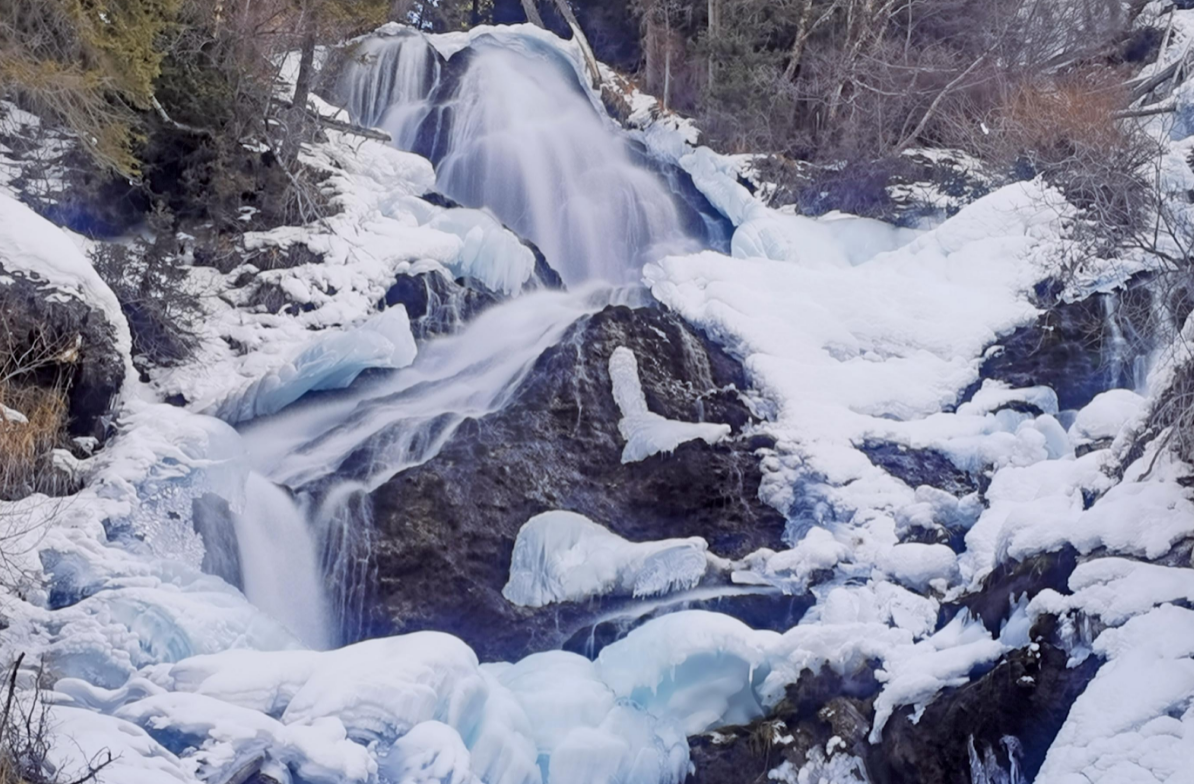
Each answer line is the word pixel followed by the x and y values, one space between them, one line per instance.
pixel 31 312
pixel 1026 696
pixel 818 707
pixel 446 529
pixel 1078 348
pixel 916 467
pixel 437 305
pixel 212 519
pixel 1013 579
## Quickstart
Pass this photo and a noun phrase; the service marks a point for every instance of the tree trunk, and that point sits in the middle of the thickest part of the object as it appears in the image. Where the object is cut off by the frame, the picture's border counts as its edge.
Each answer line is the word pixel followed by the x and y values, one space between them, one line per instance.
pixel 797 51
pixel 302 85
pixel 532 12
pixel 667 67
pixel 582 42
pixel 714 29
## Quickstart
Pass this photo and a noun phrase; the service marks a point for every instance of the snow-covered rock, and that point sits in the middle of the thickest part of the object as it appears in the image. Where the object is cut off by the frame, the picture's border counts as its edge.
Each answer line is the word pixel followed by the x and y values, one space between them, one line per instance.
pixel 565 557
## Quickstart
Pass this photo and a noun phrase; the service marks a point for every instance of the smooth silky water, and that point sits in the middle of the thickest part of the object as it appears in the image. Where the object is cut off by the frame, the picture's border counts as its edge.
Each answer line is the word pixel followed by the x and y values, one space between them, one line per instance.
pixel 514 133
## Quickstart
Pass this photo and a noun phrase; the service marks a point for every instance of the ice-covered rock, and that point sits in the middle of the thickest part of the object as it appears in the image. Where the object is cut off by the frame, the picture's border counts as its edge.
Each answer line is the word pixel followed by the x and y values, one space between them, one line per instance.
pixel 331 361
pixel 699 667
pixel 489 252
pixel 1106 415
pixel 565 557
pixel 647 433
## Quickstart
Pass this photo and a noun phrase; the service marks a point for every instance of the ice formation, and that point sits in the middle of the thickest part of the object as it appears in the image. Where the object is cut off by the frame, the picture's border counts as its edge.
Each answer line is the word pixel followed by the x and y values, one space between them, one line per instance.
pixel 647 433
pixel 566 557
pixel 331 361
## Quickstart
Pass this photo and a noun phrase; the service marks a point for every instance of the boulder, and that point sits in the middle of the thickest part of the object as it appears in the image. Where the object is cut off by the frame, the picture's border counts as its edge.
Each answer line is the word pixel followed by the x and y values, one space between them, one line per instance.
pixel 445 530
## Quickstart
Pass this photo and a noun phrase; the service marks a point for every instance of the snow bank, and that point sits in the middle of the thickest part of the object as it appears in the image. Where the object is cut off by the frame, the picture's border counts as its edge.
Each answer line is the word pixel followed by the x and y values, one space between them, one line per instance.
pixel 565 557
pixel 1106 415
pixel 845 353
pixel 1135 721
pixel 32 245
pixel 647 433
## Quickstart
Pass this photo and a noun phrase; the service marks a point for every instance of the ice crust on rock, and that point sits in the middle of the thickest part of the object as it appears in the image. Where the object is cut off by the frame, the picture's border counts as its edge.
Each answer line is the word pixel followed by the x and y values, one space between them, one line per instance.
pixel 566 557
pixel 332 361
pixel 647 433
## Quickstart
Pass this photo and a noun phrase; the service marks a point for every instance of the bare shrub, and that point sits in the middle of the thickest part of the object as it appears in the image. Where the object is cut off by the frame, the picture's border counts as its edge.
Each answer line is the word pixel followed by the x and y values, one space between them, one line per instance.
pixel 26 735
pixel 1066 129
pixel 35 368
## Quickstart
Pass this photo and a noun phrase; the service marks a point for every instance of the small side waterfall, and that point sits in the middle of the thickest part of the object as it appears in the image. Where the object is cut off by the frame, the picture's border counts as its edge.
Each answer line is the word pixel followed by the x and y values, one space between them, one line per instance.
pixel 404 71
pixel 345 523
pixel 278 559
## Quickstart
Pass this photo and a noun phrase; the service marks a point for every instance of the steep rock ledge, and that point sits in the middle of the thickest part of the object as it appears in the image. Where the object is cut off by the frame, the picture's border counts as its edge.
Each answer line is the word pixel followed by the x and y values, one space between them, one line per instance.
pixel 447 528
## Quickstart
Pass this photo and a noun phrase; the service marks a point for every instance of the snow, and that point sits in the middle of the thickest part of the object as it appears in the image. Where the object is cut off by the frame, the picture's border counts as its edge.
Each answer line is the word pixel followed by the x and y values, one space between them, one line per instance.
pixel 1106 415
pixel 647 433
pixel 843 353
pixel 31 245
pixel 565 557
pixel 1135 721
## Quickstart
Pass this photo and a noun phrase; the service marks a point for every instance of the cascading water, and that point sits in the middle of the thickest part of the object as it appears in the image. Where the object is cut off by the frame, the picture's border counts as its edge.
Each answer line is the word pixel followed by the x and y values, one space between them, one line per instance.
pixel 512 129
pixel 279 557
pixel 516 134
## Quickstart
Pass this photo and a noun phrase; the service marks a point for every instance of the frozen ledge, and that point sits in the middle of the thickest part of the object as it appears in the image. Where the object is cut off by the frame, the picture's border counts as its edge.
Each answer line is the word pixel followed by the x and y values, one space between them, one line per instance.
pixel 646 433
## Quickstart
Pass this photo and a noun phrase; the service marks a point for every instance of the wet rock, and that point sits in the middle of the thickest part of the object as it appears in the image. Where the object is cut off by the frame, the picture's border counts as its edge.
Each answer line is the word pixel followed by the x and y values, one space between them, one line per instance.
pixel 819 707
pixel 446 529
pixel 212 519
pixel 436 304
pixel 87 362
pixel 1026 696
pixel 1078 348
pixel 916 467
pixel 1011 580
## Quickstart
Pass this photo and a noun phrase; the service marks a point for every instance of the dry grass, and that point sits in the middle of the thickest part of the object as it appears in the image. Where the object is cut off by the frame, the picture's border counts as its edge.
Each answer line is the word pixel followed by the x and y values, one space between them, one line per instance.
pixel 26 463
pixel 1066 129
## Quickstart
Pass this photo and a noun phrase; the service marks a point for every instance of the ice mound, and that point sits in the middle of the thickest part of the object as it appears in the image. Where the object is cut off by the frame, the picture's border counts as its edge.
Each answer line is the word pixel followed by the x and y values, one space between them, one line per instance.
pixel 1106 415
pixel 566 557
pixel 413 708
pixel 698 666
pixel 646 433
pixel 489 252
pixel 331 361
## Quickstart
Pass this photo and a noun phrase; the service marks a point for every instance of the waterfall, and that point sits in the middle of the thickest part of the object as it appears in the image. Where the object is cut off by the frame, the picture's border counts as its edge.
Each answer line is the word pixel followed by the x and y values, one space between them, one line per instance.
pixel 403 71
pixel 517 134
pixel 513 129
pixel 278 557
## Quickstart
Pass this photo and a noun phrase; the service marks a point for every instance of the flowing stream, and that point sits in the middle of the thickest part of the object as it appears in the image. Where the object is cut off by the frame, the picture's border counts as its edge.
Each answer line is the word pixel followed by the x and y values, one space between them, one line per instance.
pixel 510 129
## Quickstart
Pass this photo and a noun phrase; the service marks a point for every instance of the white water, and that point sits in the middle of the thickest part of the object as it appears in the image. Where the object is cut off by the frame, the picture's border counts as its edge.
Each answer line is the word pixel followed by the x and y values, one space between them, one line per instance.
pixel 526 142
pixel 523 139
pixel 278 554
